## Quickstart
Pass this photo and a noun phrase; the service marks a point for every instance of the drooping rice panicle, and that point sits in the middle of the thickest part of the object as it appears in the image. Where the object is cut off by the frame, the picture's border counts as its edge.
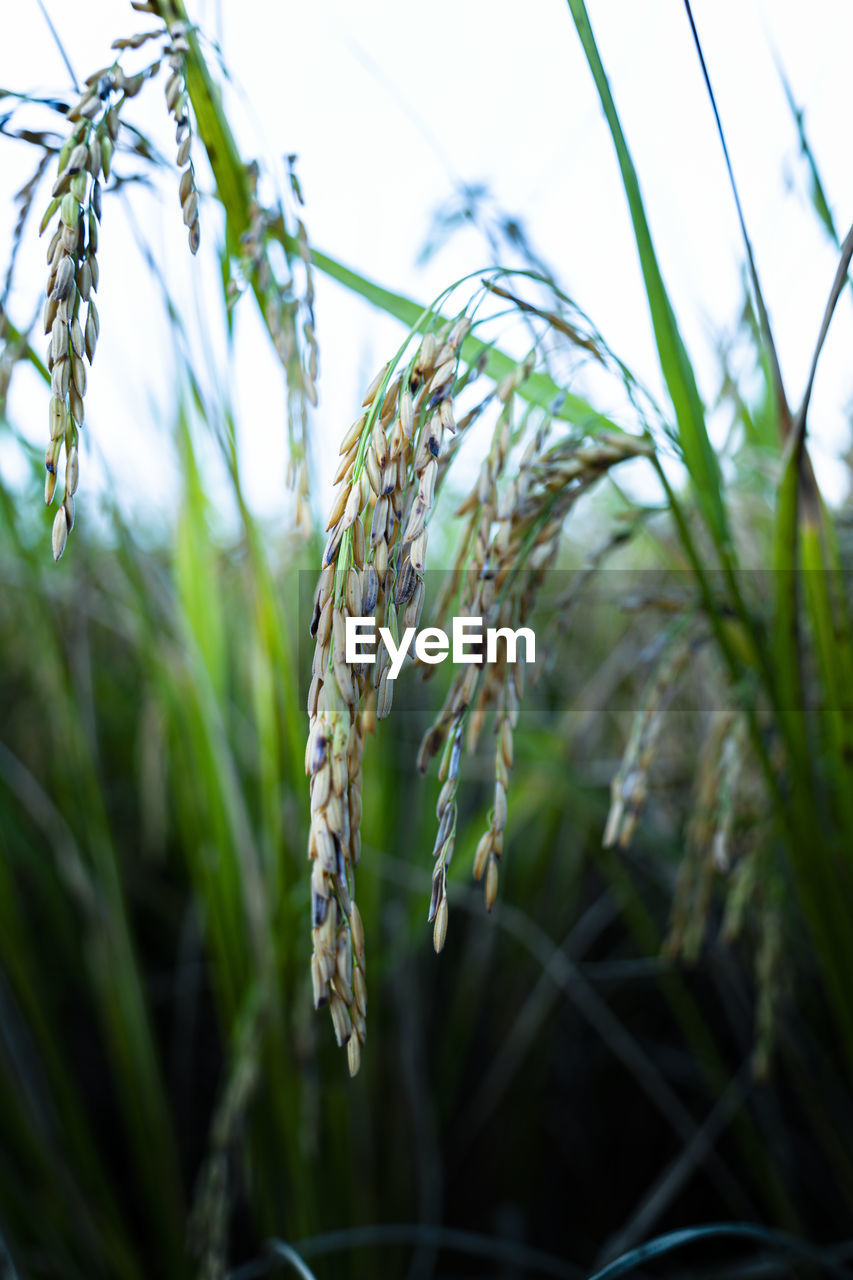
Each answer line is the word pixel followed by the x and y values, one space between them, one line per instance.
pixel 394 458
pixel 70 314
pixel 512 539
pixel 770 981
pixel 208 1221
pixel 289 317
pixel 630 787
pixel 177 102
pixel 373 566
pixel 708 834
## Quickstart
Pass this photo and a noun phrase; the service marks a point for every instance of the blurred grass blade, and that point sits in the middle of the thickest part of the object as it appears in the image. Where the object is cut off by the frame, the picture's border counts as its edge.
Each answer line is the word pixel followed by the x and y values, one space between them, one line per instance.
pixel 779 1241
pixel 281 1250
pixel 798 528
pixel 786 629
pixel 817 192
pixel 699 456
pixel 829 614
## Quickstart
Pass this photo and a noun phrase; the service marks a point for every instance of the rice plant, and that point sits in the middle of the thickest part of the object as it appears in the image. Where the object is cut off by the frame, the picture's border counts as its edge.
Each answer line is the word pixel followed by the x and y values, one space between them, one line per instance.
pixel 169 1102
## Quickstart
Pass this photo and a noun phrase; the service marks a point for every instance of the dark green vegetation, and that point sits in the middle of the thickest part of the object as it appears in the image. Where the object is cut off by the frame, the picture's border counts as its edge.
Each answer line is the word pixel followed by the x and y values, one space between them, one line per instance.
pixel 590 1067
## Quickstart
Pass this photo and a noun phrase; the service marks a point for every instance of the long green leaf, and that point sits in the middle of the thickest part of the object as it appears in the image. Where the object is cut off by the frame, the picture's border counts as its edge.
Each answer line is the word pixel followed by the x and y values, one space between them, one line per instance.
pixel 699 456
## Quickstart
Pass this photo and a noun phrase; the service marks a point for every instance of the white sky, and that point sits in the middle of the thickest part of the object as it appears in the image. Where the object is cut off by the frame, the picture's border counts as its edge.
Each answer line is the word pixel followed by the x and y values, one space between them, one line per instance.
pixel 389 105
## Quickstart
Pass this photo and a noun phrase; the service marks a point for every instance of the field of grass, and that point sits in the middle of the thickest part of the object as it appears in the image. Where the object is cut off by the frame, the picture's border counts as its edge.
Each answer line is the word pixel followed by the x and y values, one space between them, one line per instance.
pixel 632 1054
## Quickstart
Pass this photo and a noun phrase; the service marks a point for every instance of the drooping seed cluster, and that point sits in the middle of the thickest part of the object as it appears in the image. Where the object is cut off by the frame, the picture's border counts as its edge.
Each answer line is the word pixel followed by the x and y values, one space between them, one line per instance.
pixel 511 539
pixel 70 311
pixel 282 308
pixel 393 460
pixel 728 835
pixel 207 1226
pixel 756 892
pixel 373 565
pixel 708 836
pixel 477 599
pixel 71 315
pixel 630 787
pixel 490 847
pixel 174 53
pixel 177 101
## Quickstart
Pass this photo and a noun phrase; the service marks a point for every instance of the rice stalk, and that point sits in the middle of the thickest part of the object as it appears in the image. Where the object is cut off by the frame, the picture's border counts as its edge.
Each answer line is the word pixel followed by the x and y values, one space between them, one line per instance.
pixel 289 317
pixel 368 570
pixel 73 274
pixel 71 317
pixel 630 787
pixel 373 566
pixel 177 104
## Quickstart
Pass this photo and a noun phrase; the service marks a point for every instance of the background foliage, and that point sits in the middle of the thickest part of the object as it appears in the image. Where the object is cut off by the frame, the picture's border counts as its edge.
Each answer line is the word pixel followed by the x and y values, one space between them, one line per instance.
pixel 641 1038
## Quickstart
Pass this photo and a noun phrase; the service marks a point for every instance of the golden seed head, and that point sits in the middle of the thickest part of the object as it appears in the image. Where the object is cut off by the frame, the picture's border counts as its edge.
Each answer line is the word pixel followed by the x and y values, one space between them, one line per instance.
pixel 353 435
pixel 59 534
pixel 407 416
pixel 491 883
pixel 345 467
pixel 72 471
pixel 481 857
pixel 64 278
pixel 94 159
pixel 373 473
pixel 506 744
pixel 76 404
pixel 340 1019
pixel 77 188
pixel 78 159
pixel 76 335
pixel 92 329
pixel 84 280
pixel 78 372
pixel 417 552
pixel 50 309
pixel 354 503
pixel 57 418
pixel 439 931
pixel 370 393
pixel 499 820
pixel 60 378
pixel 358 543
pixel 58 340
pixel 459 332
pixel 189 206
pixel 69 210
pixel 360 990
pixel 353 593
pixel 319 982
pixel 339 506
pixel 443 375
pixel 427 353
